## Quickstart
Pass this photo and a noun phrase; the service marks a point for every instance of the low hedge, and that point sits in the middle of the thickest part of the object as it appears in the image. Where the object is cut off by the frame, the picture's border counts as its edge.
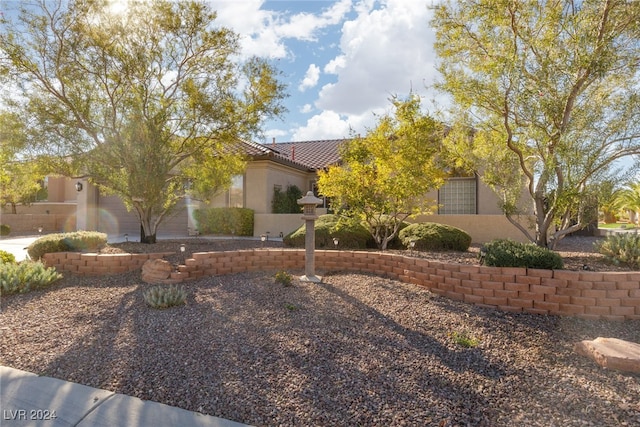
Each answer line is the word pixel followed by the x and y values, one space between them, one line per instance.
pixel 7 257
pixel 4 230
pixel 431 236
pixel 228 221
pixel 350 236
pixel 508 253
pixel 77 241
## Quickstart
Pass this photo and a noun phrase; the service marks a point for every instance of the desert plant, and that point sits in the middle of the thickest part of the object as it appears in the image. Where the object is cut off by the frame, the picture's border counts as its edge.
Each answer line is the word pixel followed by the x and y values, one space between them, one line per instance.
pixel 435 237
pixel 290 307
pixel 463 339
pixel 4 230
pixel 165 296
pixel 26 276
pixel 283 278
pixel 7 257
pixel 66 242
pixel 623 248
pixel 508 253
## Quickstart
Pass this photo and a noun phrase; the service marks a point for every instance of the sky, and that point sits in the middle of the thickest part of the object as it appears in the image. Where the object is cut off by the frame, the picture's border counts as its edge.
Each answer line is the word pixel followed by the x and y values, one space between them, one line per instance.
pixel 341 60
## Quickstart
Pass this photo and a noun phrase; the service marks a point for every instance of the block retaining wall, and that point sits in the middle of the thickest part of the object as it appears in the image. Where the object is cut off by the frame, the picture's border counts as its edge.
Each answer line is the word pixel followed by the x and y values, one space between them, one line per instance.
pixel 586 294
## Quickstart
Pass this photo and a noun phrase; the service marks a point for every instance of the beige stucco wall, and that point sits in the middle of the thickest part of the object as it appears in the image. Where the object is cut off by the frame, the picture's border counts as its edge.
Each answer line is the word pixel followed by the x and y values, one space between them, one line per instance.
pixel 482 228
pixel 61 189
pixel 262 176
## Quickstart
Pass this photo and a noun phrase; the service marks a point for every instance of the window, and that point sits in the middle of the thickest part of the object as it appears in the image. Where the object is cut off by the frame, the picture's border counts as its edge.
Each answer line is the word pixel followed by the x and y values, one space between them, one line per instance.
pixel 236 192
pixel 458 197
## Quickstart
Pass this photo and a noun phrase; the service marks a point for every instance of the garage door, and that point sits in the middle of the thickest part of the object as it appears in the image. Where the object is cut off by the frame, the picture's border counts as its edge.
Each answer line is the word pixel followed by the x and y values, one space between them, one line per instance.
pixel 114 220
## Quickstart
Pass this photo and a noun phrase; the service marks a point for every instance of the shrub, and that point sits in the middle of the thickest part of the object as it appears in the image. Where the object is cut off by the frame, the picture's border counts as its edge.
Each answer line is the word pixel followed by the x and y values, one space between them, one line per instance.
pixel 464 339
pixel 507 253
pixel 67 242
pixel 283 278
pixel 623 248
pixel 7 257
pixel 165 296
pixel 430 236
pixel 26 276
pixel 286 201
pixel 4 230
pixel 237 221
pixel 350 236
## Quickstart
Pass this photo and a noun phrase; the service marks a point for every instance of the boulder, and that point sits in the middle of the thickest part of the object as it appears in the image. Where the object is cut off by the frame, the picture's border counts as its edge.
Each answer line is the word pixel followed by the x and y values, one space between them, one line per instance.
pixel 156 270
pixel 611 353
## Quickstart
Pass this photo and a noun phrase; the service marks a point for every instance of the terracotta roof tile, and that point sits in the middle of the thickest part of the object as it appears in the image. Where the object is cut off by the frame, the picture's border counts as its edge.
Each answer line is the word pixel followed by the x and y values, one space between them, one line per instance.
pixel 317 154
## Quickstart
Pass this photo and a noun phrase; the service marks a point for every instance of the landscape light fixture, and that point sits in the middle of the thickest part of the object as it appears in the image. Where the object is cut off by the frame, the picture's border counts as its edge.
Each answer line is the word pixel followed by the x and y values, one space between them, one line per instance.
pixel 78 186
pixel 40 229
pixel 126 237
pixel 183 248
pixel 335 242
pixel 263 237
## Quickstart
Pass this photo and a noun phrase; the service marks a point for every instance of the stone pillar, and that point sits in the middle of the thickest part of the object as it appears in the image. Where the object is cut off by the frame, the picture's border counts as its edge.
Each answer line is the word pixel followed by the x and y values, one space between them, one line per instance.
pixel 309 203
pixel 87 207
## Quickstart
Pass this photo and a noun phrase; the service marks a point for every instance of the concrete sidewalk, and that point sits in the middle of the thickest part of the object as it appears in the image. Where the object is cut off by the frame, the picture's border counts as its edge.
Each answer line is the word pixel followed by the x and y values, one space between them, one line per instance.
pixel 27 399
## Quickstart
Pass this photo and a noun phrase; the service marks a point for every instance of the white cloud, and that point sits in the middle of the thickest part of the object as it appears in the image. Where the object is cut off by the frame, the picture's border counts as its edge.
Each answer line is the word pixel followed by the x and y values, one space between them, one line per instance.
pixel 335 65
pixel 306 108
pixel 384 52
pixel 264 31
pixel 310 78
pixel 326 125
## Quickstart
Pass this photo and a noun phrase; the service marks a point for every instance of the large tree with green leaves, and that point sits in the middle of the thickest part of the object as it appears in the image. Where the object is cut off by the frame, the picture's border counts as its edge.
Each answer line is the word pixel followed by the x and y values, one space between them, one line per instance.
pixel 384 176
pixel 145 103
pixel 550 89
pixel 21 175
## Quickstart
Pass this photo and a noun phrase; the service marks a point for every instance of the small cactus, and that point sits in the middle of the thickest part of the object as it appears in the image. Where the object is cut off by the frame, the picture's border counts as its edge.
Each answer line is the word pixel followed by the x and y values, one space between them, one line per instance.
pixel 165 297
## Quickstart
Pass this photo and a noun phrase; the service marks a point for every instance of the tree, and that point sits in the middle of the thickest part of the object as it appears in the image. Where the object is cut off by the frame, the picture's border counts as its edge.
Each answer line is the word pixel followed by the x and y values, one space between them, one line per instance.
pixel 385 175
pixel 146 104
pixel 550 90
pixel 20 175
pixel 630 200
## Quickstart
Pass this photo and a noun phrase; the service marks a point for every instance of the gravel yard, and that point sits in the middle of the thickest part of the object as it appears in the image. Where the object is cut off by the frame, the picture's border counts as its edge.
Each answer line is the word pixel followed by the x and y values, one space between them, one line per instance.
pixel 354 350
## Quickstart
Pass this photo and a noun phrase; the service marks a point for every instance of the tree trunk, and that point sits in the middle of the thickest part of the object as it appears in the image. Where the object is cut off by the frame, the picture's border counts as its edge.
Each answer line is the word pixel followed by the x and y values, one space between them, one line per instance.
pixel 146 238
pixel 13 208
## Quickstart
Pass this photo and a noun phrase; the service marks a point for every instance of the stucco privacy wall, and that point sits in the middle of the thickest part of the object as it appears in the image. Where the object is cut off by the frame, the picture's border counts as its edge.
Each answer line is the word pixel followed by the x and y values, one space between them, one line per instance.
pixel 592 295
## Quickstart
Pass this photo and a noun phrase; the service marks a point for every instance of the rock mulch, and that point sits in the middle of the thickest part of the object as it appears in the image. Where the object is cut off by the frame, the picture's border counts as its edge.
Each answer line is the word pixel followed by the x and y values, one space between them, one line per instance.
pixel 354 350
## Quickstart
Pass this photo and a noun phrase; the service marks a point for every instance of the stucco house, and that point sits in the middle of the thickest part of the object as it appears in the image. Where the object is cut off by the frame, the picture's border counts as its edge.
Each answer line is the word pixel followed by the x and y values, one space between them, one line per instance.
pixel 464 202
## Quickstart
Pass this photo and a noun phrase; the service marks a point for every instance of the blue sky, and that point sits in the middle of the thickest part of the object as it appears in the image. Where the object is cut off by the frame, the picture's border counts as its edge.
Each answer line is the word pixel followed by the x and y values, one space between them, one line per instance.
pixel 342 60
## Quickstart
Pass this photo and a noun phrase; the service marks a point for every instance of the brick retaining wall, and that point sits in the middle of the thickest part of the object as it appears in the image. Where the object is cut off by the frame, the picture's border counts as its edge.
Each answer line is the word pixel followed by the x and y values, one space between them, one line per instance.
pixel 592 295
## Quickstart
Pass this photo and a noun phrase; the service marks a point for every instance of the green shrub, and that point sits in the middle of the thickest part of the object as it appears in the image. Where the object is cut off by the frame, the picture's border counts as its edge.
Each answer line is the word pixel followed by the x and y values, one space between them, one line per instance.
pixel 228 221
pixel 623 248
pixel 507 253
pixel 26 276
pixel 464 339
pixel 4 230
pixel 327 227
pixel 165 296
pixel 286 201
pixel 430 236
pixel 283 278
pixel 7 257
pixel 76 241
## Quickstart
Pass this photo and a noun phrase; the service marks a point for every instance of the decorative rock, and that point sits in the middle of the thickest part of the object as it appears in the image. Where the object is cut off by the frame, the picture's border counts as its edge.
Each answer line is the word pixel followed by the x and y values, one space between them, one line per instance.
pixel 156 270
pixel 611 353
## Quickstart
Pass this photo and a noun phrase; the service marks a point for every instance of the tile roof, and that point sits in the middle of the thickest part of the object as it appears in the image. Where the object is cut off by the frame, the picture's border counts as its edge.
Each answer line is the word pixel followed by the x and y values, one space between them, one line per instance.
pixel 315 155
